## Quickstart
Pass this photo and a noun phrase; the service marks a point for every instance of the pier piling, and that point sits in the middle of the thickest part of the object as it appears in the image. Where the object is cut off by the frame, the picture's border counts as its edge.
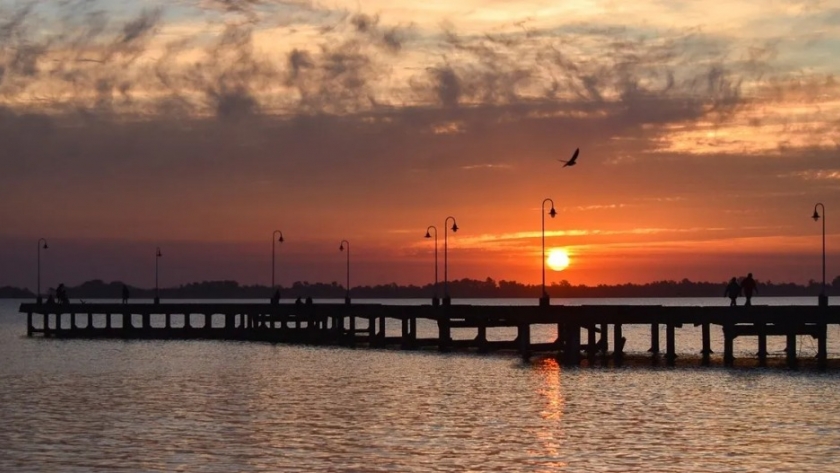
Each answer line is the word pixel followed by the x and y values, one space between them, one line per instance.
pixel 654 339
pixel 670 345
pixel 707 344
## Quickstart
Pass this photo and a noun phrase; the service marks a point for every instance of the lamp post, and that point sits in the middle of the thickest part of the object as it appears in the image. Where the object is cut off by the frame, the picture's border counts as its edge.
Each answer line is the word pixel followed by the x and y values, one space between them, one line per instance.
pixel 341 248
pixel 274 240
pixel 544 299
pixel 435 300
pixel 38 300
pixel 446 299
pixel 158 254
pixel 823 299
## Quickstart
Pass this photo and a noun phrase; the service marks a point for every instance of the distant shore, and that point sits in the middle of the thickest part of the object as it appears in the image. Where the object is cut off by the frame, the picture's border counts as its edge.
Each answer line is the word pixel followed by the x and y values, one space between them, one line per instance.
pixel 462 288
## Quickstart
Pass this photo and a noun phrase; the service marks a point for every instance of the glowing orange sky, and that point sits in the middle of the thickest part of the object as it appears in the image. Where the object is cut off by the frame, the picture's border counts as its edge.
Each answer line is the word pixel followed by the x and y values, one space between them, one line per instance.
pixel 707 135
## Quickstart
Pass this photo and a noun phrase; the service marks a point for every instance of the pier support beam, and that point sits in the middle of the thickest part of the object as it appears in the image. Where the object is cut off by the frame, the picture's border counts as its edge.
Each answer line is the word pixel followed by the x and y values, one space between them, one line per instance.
pixel 707 344
pixel 382 337
pixel 670 345
pixel 373 339
pixel 29 327
pixel 481 338
pixel 762 343
pixel 654 339
pixel 409 333
pixel 728 345
pixel 822 346
pixel 444 333
pixel 571 345
pixel 791 347
pixel 404 333
pixel 591 345
pixel 618 345
pixel 524 337
pixel 603 340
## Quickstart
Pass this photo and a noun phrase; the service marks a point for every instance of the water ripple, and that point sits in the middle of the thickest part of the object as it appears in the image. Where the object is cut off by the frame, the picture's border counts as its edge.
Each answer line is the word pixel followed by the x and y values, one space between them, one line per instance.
pixel 80 406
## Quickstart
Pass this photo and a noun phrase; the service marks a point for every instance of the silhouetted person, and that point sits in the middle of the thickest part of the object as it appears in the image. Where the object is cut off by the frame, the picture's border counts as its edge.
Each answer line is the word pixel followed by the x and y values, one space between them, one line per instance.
pixel 61 294
pixel 50 299
pixel 298 301
pixel 733 290
pixel 125 294
pixel 275 299
pixel 749 286
pixel 308 300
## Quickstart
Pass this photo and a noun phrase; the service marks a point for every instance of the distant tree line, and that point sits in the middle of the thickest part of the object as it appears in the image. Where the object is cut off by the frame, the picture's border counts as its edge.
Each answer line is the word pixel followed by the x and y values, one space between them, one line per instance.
pixel 462 288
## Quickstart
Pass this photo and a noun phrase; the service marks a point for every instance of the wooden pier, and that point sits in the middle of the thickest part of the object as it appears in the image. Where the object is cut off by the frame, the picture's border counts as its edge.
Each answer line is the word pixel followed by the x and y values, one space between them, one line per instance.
pixel 364 325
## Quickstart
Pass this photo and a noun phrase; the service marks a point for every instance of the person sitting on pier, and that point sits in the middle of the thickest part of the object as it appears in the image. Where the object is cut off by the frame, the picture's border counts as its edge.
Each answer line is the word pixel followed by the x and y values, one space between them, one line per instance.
pixel 749 286
pixel 50 299
pixel 275 299
pixel 733 290
pixel 298 301
pixel 308 300
pixel 125 294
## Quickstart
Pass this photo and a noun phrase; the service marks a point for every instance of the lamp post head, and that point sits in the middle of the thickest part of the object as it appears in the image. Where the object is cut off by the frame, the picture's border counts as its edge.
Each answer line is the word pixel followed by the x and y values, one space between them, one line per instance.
pixel 158 253
pixel 552 212
pixel 45 246
pixel 281 238
pixel 428 235
pixel 816 215
pixel 341 248
pixel 454 227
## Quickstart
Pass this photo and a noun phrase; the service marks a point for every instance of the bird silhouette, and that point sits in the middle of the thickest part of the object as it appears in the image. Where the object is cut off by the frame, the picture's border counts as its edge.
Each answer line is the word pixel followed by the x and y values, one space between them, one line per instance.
pixel 572 161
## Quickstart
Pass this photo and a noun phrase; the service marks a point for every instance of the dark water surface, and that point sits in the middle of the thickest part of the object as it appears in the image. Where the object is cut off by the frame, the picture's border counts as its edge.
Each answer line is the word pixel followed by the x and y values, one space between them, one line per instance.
pixel 207 406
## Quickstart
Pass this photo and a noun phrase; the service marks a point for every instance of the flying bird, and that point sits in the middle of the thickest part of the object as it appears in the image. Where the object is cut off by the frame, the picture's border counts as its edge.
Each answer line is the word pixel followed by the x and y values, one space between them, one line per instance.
pixel 572 161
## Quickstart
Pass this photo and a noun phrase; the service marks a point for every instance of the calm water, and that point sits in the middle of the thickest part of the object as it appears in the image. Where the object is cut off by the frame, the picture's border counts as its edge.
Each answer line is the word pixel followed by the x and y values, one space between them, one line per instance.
pixel 203 406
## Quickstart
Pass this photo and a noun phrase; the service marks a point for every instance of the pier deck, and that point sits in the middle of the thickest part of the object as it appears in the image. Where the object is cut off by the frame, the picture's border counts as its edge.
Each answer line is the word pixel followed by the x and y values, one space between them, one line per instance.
pixel 364 325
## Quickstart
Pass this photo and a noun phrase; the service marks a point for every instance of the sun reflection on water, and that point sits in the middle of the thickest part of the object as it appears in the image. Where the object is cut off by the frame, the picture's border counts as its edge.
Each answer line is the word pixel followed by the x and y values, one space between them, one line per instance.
pixel 551 434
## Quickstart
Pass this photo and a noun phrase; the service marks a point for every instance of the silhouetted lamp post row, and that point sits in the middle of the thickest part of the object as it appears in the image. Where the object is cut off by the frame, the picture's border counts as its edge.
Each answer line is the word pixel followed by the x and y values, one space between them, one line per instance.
pixel 823 299
pixel 158 255
pixel 341 248
pixel 274 240
pixel 544 299
pixel 40 241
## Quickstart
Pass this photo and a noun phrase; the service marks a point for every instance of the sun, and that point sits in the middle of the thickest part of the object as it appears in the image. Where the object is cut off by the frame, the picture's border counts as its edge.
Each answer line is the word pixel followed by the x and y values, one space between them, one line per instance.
pixel 558 259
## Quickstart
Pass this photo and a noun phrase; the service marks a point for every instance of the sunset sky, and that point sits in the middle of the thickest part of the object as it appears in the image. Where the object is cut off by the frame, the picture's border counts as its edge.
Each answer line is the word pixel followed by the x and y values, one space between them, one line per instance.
pixel 708 131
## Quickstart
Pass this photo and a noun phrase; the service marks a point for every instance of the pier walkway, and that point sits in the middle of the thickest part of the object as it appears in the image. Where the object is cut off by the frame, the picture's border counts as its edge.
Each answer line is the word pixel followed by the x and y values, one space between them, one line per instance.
pixel 364 325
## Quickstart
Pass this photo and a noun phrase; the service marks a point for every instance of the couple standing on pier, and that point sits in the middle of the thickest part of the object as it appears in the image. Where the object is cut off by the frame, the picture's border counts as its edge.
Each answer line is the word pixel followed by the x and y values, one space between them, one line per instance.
pixel 733 290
